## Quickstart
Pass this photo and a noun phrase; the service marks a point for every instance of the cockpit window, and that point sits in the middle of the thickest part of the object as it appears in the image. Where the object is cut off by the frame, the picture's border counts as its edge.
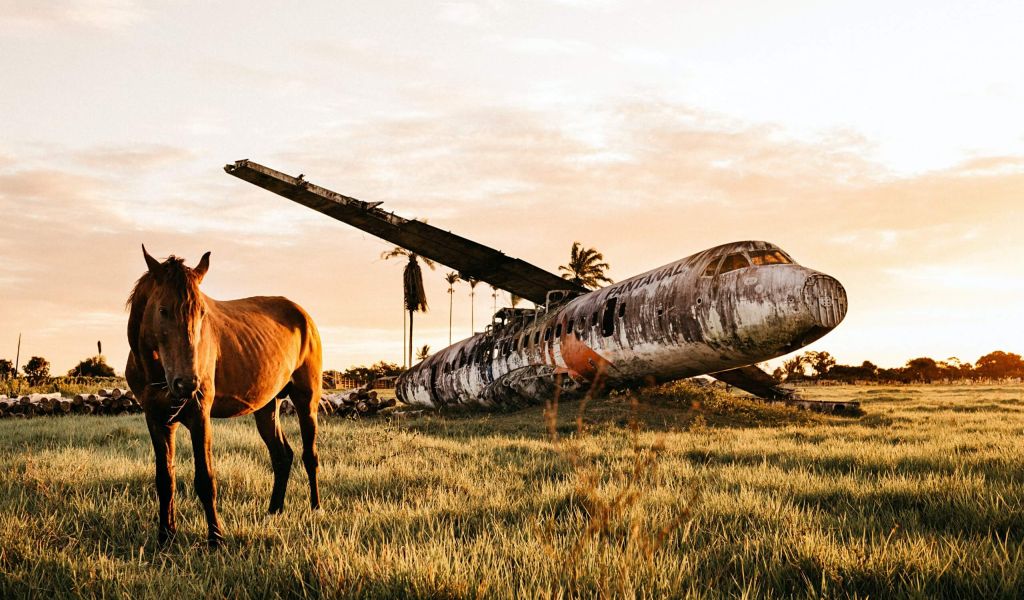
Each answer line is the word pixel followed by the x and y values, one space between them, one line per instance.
pixel 733 262
pixel 769 257
pixel 711 268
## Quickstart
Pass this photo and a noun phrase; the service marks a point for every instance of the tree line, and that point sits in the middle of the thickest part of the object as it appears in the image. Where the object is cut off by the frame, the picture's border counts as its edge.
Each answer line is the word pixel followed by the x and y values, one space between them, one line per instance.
pixel 822 366
pixel 809 366
pixel 37 369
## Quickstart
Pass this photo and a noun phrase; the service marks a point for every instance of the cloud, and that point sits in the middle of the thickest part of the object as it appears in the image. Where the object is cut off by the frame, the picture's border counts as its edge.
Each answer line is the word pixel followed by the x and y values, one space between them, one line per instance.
pixel 37 197
pixel 549 47
pixel 132 158
pixel 467 14
pixel 100 14
pixel 959 276
pixel 991 165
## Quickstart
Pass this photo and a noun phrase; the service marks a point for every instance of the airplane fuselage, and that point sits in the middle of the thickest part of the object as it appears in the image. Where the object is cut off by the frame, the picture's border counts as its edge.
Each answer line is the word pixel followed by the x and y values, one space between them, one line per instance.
pixel 720 309
pixel 717 312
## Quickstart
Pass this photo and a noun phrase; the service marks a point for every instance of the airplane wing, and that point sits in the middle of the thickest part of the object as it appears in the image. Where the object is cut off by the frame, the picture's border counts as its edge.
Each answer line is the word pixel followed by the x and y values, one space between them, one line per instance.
pixel 467 257
pixel 755 381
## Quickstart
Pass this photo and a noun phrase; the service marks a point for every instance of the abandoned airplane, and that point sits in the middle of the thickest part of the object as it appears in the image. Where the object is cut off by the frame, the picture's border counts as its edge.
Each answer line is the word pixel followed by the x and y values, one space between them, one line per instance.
pixel 717 312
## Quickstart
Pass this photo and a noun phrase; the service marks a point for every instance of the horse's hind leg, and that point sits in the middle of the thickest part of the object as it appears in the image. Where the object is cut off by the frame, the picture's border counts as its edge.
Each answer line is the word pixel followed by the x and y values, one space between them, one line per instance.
pixel 306 398
pixel 280 452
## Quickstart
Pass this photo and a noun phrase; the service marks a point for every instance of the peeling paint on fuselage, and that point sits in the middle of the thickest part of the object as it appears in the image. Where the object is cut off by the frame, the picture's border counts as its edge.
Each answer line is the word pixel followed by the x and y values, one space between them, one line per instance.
pixel 676 321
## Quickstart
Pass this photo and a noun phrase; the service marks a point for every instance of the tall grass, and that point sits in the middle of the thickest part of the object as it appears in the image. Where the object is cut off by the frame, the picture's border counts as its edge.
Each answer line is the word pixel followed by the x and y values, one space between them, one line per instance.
pixel 677 492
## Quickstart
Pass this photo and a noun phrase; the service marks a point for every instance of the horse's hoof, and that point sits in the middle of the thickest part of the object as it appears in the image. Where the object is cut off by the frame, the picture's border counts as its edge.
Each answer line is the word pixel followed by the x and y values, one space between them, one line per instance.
pixel 214 542
pixel 165 537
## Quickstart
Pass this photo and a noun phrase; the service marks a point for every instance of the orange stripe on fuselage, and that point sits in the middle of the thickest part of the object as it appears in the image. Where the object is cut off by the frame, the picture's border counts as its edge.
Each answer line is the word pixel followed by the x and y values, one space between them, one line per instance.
pixel 581 359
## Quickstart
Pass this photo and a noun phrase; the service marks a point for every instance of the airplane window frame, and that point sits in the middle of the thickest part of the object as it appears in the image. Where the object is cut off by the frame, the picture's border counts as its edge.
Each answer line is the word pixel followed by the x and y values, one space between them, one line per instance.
pixel 712 269
pixel 723 267
pixel 758 259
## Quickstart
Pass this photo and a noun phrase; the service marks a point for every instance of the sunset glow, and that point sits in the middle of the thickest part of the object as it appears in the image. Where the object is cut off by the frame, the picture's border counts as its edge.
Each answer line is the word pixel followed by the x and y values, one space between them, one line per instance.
pixel 880 144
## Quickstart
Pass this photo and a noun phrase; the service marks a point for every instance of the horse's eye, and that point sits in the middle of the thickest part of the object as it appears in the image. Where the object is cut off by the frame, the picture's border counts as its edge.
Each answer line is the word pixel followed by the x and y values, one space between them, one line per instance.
pixel 163 311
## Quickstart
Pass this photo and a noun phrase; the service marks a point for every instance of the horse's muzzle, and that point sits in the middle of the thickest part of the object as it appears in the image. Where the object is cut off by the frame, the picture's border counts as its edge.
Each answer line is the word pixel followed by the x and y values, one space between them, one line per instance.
pixel 185 386
pixel 183 390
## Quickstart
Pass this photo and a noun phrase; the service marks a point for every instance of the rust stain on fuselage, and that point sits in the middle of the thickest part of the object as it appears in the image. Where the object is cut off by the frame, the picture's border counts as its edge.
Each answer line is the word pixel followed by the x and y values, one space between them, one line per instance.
pixel 723 308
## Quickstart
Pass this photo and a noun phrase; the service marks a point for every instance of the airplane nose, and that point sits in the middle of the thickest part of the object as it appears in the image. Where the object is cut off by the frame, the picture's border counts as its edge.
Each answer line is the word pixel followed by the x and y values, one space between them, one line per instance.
pixel 825 297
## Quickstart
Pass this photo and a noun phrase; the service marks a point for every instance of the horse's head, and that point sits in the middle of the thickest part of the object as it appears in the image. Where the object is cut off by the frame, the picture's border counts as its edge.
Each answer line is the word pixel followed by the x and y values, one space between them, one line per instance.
pixel 172 322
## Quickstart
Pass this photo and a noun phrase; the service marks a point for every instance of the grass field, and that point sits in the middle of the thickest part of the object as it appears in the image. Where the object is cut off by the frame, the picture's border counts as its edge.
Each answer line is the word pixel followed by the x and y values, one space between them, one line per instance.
pixel 707 496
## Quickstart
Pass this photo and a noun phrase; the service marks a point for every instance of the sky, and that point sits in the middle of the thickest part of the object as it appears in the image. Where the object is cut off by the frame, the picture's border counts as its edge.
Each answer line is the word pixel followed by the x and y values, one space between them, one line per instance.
pixel 879 142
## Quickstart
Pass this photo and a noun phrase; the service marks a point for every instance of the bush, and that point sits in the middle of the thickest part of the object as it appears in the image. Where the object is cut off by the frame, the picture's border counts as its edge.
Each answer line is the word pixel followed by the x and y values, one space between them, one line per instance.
pixel 37 370
pixel 95 366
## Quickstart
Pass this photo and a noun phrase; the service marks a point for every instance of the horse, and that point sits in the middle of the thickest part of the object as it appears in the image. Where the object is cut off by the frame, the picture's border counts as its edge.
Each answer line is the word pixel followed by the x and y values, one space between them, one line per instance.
pixel 194 358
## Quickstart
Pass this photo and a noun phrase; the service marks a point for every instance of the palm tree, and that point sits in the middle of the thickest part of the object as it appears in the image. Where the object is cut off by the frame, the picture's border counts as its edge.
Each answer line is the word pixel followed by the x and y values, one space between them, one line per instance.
pixel 414 297
pixel 472 281
pixel 513 299
pixel 452 278
pixel 423 352
pixel 586 267
pixel 494 294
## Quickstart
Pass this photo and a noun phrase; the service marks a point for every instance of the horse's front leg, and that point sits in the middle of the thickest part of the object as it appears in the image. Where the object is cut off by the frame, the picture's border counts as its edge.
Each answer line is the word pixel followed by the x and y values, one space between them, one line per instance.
pixel 162 436
pixel 206 486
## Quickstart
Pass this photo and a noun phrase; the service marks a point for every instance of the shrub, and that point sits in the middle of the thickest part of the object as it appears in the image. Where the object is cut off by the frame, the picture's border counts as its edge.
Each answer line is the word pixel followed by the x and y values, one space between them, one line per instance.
pixel 95 366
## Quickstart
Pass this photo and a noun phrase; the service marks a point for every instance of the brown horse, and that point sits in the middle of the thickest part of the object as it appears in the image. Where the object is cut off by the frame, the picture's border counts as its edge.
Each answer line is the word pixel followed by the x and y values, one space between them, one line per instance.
pixel 193 358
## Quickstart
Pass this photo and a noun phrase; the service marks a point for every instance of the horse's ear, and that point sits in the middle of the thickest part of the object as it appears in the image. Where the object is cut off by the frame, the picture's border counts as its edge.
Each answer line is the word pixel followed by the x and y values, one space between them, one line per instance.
pixel 154 267
pixel 202 267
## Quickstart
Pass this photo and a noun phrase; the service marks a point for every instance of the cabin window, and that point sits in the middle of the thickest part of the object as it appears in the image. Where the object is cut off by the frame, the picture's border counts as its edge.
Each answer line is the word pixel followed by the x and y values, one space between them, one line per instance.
pixel 593 319
pixel 769 257
pixel 622 310
pixel 515 345
pixel 608 323
pixel 558 330
pixel 581 324
pixel 547 333
pixel 733 262
pixel 536 337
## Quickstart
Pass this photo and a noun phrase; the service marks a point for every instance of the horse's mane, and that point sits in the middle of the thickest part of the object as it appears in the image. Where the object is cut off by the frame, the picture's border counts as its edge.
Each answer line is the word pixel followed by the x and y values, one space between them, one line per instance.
pixel 176 276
